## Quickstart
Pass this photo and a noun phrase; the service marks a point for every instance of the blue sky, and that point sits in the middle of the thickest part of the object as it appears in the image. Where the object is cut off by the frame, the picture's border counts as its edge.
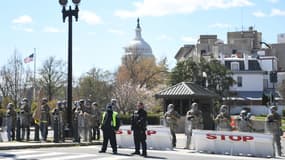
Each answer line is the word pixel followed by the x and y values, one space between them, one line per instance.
pixel 105 27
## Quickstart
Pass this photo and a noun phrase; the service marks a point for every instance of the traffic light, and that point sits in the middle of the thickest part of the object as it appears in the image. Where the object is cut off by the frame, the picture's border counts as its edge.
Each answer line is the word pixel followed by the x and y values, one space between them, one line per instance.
pixel 273 76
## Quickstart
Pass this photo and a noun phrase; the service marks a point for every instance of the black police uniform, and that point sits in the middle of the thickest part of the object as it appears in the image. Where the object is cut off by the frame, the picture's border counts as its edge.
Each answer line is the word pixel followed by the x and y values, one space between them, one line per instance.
pixel 109 131
pixel 138 125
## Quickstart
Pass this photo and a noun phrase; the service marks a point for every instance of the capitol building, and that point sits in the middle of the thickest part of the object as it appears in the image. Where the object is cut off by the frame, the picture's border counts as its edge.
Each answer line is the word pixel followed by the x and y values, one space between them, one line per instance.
pixel 137 48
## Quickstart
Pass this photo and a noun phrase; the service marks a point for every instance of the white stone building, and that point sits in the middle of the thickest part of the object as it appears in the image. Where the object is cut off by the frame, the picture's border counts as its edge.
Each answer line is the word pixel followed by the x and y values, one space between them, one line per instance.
pixel 251 66
pixel 252 76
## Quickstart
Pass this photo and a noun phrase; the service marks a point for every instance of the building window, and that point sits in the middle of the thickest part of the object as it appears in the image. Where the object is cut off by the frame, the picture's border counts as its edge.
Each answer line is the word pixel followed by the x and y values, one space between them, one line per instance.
pixel 239 81
pixel 235 66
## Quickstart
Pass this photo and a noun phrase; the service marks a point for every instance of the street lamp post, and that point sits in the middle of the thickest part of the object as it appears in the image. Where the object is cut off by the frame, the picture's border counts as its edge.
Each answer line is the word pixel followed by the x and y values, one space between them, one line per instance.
pixel 69 13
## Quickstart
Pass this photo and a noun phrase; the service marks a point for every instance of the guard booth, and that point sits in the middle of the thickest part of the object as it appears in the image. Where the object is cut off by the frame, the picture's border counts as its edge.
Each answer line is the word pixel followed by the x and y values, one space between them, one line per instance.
pixel 182 95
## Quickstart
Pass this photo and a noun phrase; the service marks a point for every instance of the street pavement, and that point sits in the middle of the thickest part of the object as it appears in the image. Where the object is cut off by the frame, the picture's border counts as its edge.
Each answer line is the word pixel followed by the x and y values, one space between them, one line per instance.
pixel 91 152
pixel 40 150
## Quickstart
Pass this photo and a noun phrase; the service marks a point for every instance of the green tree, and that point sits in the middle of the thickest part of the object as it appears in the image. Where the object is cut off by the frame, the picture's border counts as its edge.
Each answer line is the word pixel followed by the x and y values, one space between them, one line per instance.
pixel 184 71
pixel 216 75
pixel 219 78
pixel 95 85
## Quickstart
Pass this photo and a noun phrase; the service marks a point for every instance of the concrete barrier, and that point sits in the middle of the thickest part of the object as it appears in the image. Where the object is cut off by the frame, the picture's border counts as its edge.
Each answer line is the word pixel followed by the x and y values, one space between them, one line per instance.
pixel 3 136
pixel 158 137
pixel 234 143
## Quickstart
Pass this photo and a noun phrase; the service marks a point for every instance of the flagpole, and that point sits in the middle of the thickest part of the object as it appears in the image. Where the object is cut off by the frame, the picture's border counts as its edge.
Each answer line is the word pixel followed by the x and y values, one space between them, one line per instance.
pixel 34 83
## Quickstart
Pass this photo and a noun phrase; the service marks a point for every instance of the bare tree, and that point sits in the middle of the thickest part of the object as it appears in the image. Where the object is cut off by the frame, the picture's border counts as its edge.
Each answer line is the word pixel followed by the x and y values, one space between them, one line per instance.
pixel 12 78
pixel 52 77
pixel 135 80
pixel 142 71
pixel 127 95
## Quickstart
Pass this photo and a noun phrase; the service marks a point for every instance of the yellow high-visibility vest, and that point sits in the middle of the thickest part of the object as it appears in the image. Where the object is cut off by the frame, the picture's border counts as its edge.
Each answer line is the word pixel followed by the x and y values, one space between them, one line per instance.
pixel 114 121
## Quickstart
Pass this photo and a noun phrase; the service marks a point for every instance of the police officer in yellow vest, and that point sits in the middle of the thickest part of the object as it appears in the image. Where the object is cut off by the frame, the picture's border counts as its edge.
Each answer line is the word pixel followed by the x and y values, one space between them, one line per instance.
pixel 109 125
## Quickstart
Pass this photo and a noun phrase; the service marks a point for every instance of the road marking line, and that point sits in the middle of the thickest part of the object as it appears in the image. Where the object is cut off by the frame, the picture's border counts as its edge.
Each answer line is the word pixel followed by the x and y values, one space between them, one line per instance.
pixel 115 157
pixel 40 155
pixel 22 151
pixel 75 156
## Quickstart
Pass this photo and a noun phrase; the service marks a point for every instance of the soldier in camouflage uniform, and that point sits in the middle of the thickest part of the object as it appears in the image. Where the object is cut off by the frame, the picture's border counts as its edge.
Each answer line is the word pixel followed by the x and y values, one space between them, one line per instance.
pixel 171 117
pixel 79 118
pixel 10 121
pixel 223 120
pixel 75 112
pixel 193 120
pixel 244 123
pixel 96 118
pixel 58 122
pixel 87 115
pixel 273 126
pixel 62 121
pixel 44 118
pixel 25 119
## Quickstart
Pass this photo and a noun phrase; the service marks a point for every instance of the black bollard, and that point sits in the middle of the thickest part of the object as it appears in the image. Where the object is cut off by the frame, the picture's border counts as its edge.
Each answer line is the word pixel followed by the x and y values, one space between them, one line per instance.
pixel 28 133
pixel 18 128
pixel 55 128
pixel 37 132
pixel 60 131
pixel 75 131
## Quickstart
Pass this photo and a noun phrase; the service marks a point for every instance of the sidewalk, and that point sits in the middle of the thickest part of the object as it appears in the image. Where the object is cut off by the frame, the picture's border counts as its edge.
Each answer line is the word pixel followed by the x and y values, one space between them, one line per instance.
pixel 33 144
pixel 37 144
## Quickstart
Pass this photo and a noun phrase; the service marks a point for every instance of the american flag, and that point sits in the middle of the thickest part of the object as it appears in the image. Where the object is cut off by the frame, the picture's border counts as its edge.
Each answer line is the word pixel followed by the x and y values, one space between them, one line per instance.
pixel 29 58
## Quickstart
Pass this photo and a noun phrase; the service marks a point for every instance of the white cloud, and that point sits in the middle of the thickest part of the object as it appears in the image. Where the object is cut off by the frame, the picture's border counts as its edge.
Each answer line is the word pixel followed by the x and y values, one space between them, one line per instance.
pixel 220 25
pixel 51 30
pixel 116 31
pixel 277 12
pixel 259 14
pixel 192 40
pixel 22 19
pixel 90 17
pixel 167 7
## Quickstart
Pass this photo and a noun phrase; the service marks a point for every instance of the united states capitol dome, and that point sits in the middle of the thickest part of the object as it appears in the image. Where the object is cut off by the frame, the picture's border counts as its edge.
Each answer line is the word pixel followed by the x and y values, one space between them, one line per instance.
pixel 138 46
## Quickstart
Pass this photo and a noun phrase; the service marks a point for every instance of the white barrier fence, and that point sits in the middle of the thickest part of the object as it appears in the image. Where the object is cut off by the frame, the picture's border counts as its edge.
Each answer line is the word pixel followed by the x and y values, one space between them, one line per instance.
pixel 157 137
pixel 233 143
